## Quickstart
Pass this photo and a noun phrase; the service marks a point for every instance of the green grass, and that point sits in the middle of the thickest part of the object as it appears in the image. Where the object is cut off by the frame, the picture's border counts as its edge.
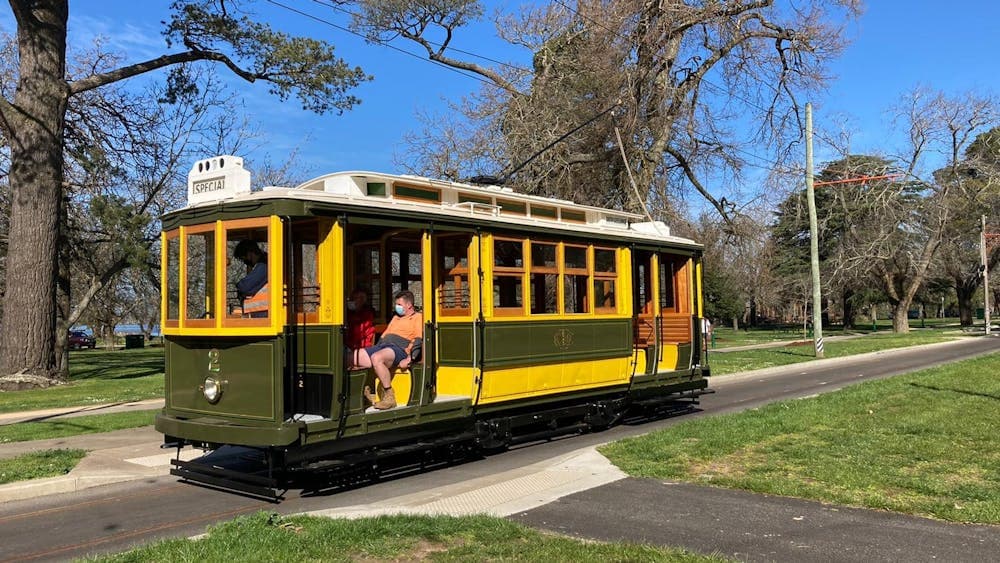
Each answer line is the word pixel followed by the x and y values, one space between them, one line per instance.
pixel 744 360
pixel 97 377
pixel 727 337
pixel 924 443
pixel 270 537
pixel 36 465
pixel 74 426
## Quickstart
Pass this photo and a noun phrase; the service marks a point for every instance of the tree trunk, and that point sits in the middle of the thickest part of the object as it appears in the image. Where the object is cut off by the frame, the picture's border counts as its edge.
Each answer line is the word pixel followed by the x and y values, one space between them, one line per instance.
pixel 900 318
pixel 965 306
pixel 64 307
pixel 849 311
pixel 35 123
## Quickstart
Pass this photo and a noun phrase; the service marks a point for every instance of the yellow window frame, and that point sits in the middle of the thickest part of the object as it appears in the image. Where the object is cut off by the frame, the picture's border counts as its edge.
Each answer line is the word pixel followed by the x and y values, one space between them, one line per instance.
pixel 221 325
pixel 511 272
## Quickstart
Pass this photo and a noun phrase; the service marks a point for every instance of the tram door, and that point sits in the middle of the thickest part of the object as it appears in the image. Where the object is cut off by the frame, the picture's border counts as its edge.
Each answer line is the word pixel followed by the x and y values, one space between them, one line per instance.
pixel 646 341
pixel 675 306
pixel 310 388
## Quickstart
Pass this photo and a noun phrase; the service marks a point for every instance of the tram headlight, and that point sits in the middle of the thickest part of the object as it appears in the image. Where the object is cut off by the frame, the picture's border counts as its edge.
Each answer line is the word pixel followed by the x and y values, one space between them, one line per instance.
pixel 212 389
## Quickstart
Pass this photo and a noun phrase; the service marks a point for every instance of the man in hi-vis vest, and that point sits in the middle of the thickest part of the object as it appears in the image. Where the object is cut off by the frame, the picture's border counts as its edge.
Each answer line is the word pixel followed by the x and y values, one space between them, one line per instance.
pixel 252 290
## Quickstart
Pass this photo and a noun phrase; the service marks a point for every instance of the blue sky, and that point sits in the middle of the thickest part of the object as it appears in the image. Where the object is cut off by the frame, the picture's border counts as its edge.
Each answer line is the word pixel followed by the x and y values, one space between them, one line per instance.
pixel 896 46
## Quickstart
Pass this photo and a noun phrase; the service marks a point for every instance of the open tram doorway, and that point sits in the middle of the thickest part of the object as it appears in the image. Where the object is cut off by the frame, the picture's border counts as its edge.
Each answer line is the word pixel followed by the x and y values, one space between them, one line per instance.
pixel 381 262
pixel 646 333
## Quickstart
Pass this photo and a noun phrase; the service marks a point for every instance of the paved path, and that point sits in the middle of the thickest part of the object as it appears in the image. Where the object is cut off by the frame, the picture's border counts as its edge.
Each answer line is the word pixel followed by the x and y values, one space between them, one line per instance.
pixel 754 527
pixel 70 412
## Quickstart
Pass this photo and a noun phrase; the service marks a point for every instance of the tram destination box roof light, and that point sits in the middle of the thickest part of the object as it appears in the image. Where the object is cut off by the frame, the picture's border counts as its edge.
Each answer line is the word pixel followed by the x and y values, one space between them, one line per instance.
pixel 217 178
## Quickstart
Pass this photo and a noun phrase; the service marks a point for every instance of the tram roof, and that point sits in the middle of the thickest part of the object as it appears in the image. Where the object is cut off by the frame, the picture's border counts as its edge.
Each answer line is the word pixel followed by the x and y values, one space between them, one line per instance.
pixel 222 180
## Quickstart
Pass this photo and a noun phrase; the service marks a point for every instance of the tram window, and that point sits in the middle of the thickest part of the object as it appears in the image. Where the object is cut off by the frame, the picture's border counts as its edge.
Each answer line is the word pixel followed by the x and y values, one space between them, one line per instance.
pixel 605 280
pixel 406 267
pixel 200 268
pixel 508 277
pixel 507 292
pixel 250 301
pixel 304 285
pixel 604 260
pixel 173 253
pixel 453 274
pixel 508 207
pixel 643 287
pixel 666 285
pixel 604 294
pixel 669 270
pixel 368 275
pixel 544 293
pixel 576 257
pixel 544 279
pixel 575 292
pixel 576 279
pixel 543 255
pixel 508 254
pixel 644 281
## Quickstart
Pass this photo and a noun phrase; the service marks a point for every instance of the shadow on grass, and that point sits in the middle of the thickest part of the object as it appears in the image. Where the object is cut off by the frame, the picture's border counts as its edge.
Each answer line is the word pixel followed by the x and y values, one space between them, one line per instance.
pixel 88 409
pixel 796 353
pixel 960 391
pixel 131 364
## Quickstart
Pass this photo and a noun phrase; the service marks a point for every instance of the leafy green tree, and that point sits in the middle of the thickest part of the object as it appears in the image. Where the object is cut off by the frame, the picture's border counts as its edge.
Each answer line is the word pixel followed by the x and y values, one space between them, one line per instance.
pixel 722 296
pixel 843 212
pixel 33 121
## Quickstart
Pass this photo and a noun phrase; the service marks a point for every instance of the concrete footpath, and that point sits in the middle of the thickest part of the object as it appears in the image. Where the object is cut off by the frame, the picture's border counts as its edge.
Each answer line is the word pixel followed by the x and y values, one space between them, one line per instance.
pixel 112 457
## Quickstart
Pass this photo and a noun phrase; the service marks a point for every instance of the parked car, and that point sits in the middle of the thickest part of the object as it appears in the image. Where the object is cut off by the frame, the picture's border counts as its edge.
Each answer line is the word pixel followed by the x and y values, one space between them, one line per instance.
pixel 79 339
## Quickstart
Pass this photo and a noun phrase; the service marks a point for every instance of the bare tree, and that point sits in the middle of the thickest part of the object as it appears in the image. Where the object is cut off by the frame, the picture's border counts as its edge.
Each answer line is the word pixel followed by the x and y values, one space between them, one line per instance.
pixel 889 230
pixel 975 182
pixel 677 79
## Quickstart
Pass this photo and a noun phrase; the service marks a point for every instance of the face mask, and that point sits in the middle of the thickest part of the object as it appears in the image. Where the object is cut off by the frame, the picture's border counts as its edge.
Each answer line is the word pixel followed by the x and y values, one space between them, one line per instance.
pixel 400 310
pixel 351 306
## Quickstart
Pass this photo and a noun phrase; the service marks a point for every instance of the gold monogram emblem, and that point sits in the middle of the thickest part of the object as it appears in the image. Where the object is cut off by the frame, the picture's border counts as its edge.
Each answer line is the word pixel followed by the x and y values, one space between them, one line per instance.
pixel 213 360
pixel 562 338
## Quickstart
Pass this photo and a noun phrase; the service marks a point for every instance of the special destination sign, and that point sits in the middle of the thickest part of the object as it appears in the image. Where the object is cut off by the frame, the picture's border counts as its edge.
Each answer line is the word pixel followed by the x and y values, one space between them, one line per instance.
pixel 208 186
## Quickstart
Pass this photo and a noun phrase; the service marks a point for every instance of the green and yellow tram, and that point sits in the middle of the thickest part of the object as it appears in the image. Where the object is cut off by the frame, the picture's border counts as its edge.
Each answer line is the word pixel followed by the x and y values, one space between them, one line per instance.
pixel 541 316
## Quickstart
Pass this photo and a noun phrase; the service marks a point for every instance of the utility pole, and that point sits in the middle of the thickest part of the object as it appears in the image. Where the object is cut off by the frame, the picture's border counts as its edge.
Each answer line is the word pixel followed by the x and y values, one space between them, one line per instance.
pixel 813 238
pixel 986 276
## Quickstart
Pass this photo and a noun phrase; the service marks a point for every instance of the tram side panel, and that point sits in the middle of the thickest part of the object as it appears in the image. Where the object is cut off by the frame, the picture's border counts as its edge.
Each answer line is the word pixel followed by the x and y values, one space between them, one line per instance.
pixel 531 358
pixel 249 374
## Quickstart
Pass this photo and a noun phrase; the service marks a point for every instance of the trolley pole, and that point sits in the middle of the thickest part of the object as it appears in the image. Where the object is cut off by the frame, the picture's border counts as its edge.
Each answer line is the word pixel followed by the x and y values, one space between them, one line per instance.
pixel 813 239
pixel 986 277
